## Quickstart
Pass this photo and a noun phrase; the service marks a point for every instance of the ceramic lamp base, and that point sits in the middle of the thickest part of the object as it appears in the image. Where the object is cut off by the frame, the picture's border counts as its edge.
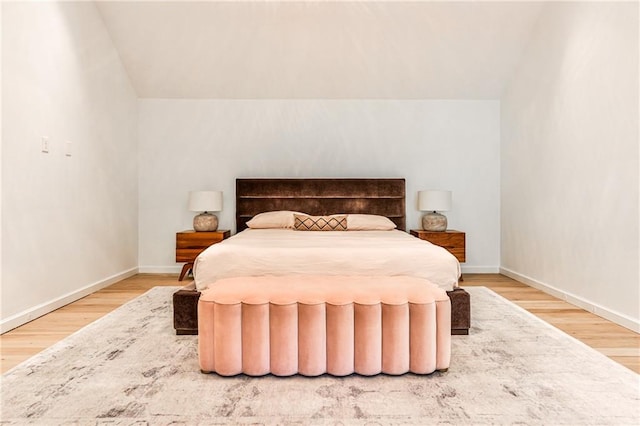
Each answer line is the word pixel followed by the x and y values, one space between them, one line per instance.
pixel 205 222
pixel 434 221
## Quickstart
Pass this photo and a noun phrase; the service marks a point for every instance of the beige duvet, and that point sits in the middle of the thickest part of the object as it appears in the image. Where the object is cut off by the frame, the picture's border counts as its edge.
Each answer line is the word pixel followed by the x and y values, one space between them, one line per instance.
pixel 256 252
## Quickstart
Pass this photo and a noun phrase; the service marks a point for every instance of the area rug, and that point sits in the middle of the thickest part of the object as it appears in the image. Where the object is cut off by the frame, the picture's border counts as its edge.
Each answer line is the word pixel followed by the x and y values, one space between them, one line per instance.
pixel 129 368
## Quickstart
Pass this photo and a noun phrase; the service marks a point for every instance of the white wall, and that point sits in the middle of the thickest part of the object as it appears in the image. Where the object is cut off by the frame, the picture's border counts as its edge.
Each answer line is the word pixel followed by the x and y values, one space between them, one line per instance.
pixel 69 224
pixel 570 159
pixel 207 144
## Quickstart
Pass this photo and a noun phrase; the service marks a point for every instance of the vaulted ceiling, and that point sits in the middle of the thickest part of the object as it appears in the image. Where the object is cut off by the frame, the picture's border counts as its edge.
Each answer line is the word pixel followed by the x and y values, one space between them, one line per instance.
pixel 294 49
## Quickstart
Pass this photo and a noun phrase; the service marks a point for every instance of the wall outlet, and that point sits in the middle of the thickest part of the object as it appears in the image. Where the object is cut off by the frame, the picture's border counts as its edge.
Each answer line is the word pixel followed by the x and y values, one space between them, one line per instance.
pixel 44 144
pixel 67 148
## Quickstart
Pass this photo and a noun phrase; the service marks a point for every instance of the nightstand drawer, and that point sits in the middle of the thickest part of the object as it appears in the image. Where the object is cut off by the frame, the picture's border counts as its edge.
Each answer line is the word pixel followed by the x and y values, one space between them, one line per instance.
pixel 459 253
pixel 189 244
pixel 188 255
pixel 452 240
pixel 194 240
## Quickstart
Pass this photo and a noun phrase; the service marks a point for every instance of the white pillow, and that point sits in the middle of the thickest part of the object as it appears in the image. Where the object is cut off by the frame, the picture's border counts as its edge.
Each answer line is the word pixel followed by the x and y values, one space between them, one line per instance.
pixel 276 219
pixel 369 222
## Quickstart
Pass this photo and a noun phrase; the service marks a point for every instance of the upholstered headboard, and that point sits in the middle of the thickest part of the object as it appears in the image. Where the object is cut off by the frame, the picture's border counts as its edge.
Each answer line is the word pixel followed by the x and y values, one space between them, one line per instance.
pixel 384 197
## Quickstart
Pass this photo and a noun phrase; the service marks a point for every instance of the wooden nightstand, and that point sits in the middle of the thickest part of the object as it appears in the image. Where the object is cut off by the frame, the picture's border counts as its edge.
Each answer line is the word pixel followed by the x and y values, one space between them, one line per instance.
pixel 452 240
pixel 189 244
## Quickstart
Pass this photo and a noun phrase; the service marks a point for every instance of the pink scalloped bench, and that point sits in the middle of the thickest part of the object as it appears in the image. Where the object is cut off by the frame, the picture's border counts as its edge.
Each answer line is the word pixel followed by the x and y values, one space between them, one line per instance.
pixel 324 324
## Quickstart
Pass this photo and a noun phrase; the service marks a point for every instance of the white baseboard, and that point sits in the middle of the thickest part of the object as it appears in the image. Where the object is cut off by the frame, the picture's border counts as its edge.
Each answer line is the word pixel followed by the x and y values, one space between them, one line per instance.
pixel 44 308
pixel 160 269
pixel 595 308
pixel 480 269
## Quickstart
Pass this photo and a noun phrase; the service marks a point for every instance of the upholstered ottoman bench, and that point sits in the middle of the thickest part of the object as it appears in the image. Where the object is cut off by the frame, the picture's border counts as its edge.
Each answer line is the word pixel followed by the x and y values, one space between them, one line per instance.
pixel 324 324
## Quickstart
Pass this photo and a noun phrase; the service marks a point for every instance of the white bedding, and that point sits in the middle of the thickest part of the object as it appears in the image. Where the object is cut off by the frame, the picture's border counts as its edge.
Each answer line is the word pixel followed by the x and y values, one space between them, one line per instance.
pixel 255 252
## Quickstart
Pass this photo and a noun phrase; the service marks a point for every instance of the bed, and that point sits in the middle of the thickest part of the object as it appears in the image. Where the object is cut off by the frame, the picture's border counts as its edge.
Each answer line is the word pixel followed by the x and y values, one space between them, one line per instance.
pixel 282 252
pixel 253 252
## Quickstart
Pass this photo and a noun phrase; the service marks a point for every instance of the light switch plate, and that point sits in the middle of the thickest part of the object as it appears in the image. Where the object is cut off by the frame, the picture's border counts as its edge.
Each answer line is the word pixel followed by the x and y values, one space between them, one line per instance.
pixel 44 144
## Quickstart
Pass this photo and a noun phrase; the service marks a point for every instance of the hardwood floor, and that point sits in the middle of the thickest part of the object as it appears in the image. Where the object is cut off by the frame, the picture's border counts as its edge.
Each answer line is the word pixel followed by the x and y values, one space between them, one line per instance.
pixel 616 342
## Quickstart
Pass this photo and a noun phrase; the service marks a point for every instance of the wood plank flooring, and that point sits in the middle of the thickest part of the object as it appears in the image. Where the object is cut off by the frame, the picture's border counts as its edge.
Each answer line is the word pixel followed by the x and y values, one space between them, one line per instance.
pixel 616 342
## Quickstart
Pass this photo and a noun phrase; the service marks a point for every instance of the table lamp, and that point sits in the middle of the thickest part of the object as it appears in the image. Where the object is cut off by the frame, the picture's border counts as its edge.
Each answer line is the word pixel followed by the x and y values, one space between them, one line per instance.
pixel 205 202
pixel 434 201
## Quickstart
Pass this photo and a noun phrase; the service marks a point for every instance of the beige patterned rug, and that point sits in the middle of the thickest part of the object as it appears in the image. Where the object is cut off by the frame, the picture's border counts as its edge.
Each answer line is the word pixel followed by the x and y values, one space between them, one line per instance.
pixel 129 368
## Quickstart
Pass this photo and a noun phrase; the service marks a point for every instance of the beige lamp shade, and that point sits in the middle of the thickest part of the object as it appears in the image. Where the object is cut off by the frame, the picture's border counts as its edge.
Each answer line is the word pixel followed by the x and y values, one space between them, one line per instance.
pixel 205 202
pixel 434 201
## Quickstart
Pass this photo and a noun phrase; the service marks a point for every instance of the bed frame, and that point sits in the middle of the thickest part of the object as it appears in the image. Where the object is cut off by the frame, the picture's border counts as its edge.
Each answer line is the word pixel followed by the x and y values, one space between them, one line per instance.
pixel 384 197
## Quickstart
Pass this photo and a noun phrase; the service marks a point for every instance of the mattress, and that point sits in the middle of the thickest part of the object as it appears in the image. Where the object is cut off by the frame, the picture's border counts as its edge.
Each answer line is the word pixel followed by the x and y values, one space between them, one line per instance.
pixel 279 252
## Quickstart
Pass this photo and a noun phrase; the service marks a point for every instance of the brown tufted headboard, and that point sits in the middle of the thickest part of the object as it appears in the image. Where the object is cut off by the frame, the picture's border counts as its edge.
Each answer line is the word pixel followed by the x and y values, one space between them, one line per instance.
pixel 384 197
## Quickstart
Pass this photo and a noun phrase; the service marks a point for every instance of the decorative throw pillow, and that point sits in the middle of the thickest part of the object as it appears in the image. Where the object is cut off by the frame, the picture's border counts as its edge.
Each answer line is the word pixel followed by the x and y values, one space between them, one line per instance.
pixel 320 223
pixel 282 219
